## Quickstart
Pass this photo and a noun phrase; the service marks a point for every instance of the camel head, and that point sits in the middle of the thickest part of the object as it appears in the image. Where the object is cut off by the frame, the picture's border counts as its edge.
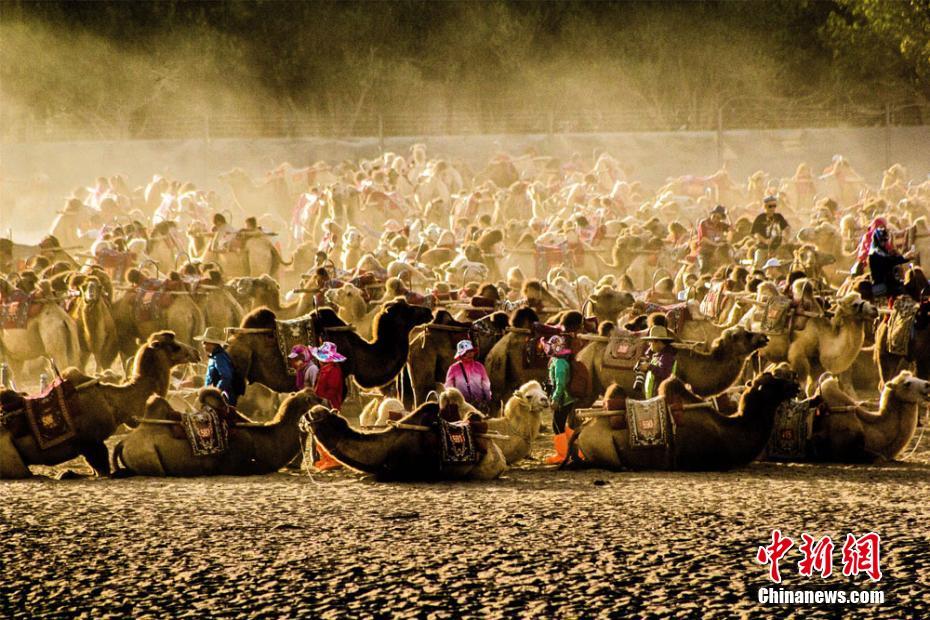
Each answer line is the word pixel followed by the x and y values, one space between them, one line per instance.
pixel 739 341
pixel 608 301
pixel 166 348
pixel 344 295
pixel 852 307
pixel 909 388
pixel 533 394
pixel 403 315
pixel 91 290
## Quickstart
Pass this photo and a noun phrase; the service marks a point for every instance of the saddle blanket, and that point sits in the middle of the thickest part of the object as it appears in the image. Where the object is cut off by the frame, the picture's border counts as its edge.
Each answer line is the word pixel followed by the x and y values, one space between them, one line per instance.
pixel 901 324
pixel 294 332
pixel 776 315
pixel 458 446
pixel 624 350
pixel 16 311
pixel 206 432
pixel 152 298
pixel 648 422
pixel 793 424
pixel 49 416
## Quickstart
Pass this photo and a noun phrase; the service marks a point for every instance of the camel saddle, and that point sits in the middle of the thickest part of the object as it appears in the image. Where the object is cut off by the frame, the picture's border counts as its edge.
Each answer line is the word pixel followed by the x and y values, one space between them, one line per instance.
pixel 776 316
pixel 901 325
pixel 648 422
pixel 713 301
pixel 793 426
pixel 624 350
pixel 153 297
pixel 677 315
pixel 549 256
pixel 293 332
pixel 16 310
pixel 206 431
pixel 457 442
pixel 49 416
pixel 114 261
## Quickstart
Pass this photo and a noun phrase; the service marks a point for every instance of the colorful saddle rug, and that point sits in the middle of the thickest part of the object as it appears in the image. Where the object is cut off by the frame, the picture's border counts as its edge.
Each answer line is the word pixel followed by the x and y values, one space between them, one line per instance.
pixel 901 325
pixel 624 350
pixel 16 310
pixel 206 431
pixel 549 256
pixel 776 316
pixel 648 423
pixel 677 316
pixel 791 433
pixel 48 417
pixel 712 304
pixel 294 332
pixel 458 445
pixel 153 297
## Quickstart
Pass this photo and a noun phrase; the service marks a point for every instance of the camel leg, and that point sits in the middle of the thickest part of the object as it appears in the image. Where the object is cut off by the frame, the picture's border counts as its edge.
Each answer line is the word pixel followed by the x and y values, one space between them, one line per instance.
pixel 96 455
pixel 12 466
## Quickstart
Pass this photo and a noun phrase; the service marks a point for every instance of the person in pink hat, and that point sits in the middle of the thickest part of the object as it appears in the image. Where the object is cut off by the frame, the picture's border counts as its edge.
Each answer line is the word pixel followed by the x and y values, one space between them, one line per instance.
pixel 468 376
pixel 305 370
pixel 330 382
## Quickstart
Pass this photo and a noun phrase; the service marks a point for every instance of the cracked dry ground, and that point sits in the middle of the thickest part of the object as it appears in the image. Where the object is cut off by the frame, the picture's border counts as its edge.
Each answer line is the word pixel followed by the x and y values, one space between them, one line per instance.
pixel 537 543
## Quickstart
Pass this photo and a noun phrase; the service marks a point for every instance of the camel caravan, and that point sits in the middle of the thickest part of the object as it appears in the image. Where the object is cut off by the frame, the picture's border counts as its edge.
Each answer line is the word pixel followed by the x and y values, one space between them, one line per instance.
pixel 410 317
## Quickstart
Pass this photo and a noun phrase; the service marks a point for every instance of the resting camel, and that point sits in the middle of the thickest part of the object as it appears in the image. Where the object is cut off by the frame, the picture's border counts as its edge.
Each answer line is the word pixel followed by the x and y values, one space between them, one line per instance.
pixel 103 407
pixel 709 372
pixel 432 350
pixel 521 421
pixel 151 449
pixel 825 343
pixel 254 349
pixel 702 439
pixel 851 434
pixel 400 453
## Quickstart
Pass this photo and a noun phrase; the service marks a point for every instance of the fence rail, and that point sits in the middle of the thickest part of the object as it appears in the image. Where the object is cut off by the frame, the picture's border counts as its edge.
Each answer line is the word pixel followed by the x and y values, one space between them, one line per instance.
pixel 754 115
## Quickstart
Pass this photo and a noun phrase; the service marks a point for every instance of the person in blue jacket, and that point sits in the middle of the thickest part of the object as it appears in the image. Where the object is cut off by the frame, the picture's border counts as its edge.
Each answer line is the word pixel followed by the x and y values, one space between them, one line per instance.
pixel 221 373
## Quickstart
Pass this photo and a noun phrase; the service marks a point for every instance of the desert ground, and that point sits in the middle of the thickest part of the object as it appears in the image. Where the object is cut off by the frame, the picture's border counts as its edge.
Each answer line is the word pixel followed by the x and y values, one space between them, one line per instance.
pixel 539 542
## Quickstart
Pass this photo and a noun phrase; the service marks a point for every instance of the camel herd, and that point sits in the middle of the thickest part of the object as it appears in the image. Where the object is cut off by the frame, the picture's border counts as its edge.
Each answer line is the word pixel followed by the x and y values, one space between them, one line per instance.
pixel 397 259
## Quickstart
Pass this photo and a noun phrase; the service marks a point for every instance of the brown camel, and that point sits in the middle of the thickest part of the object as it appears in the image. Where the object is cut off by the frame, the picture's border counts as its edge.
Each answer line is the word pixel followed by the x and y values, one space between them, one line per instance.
pixel 152 449
pixel 708 371
pixel 182 316
pixel 606 303
pixel 702 439
pixel 432 350
pixel 506 363
pixel 400 453
pixel 102 406
pixel 219 306
pixel 254 349
pixel 97 332
pixel 257 256
pixel 918 358
pixel 825 343
pixel 851 434
pixel 265 291
pixel 50 332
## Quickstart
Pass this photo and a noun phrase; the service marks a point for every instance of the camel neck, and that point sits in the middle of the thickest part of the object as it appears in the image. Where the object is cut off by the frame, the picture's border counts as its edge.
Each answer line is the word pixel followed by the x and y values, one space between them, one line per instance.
pixel 889 432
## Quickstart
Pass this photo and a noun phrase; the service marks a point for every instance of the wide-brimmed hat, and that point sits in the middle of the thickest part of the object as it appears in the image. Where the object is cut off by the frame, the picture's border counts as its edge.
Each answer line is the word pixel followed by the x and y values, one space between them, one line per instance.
pixel 770 200
pixel 463 347
pixel 213 335
pixel 327 352
pixel 772 263
pixel 659 332
pixel 556 345
pixel 719 210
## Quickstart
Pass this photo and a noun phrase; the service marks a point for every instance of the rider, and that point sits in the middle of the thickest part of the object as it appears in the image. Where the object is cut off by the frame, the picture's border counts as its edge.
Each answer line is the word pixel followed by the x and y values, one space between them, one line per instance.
pixel 221 373
pixel 658 362
pixel 876 248
pixel 711 236
pixel 768 229
pixel 223 233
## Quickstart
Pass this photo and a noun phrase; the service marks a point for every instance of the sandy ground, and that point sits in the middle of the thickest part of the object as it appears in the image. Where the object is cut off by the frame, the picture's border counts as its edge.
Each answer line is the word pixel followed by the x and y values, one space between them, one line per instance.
pixel 537 543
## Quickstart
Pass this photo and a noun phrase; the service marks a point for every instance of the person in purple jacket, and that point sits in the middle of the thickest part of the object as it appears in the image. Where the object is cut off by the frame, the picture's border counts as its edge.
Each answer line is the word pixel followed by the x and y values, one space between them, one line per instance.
pixel 468 376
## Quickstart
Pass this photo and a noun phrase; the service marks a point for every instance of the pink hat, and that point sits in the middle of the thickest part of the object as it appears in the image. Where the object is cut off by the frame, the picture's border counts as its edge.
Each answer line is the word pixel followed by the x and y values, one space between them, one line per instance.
pixel 299 351
pixel 327 352
pixel 556 345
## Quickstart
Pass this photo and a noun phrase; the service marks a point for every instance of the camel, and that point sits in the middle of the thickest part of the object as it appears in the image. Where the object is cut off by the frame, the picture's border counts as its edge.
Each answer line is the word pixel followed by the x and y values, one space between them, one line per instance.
pixel 708 371
pixel 51 333
pixel 890 364
pixel 165 246
pixel 265 291
pixel 218 304
pixel 702 439
pixel 505 362
pixel 825 343
pixel 103 407
pixel 851 434
pixel 257 256
pixel 254 350
pixel 606 303
pixel 182 316
pixel 97 332
pixel 521 421
pixel 352 308
pixel 409 451
pixel 151 449
pixel 432 350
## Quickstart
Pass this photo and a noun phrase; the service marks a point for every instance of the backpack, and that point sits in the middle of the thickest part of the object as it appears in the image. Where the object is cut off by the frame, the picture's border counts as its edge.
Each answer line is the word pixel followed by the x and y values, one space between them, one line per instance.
pixel 579 383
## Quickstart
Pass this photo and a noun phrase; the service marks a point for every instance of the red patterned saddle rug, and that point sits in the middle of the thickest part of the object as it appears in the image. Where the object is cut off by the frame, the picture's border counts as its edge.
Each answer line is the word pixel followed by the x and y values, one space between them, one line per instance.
pixel 153 297
pixel 549 256
pixel 624 350
pixel 792 430
pixel 457 442
pixel 48 417
pixel 206 431
pixel 17 309
pixel 648 422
